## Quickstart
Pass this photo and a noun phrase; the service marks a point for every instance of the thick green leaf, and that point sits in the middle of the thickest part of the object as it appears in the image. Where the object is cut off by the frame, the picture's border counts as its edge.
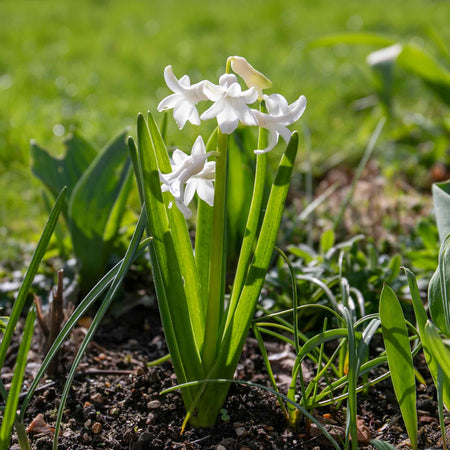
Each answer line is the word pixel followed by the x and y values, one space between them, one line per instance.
pixel 182 241
pixel 9 415
pixel 441 200
pixel 438 349
pixel 29 276
pixel 398 351
pixel 418 62
pixel 56 173
pixel 421 318
pixel 91 206
pixel 174 309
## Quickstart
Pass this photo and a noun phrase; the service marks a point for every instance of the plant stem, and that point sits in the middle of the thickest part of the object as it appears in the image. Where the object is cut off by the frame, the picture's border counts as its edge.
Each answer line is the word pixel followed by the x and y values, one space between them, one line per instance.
pixel 22 435
pixel 215 307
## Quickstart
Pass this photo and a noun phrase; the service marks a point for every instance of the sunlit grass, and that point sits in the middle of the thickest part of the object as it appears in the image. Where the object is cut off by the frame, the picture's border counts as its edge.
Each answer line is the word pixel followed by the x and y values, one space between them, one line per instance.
pixel 94 65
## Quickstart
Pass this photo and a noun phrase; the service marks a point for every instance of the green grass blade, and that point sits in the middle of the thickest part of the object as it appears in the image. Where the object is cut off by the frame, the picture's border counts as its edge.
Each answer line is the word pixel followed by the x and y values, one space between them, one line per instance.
pixel 79 312
pixel 31 272
pixel 440 400
pixel 9 415
pixel 353 373
pixel 398 351
pixel 436 347
pixel 259 386
pixel 112 292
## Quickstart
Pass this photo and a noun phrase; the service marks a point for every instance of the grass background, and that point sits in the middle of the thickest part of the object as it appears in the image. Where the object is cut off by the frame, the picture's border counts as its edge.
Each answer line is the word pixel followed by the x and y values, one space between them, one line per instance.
pixel 94 64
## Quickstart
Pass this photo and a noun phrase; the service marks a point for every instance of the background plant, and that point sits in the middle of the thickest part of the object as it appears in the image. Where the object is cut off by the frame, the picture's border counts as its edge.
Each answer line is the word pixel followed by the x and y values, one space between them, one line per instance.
pixel 98 184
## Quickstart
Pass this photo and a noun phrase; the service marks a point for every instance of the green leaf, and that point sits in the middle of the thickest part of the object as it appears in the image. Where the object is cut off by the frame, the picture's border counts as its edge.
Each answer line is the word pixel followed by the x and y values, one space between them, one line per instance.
pixel 9 415
pixel 438 349
pixel 381 445
pixel 418 62
pixel 56 173
pixel 91 206
pixel 326 241
pixel 421 318
pixel 351 38
pixel 173 305
pixel 441 200
pixel 29 276
pixel 398 351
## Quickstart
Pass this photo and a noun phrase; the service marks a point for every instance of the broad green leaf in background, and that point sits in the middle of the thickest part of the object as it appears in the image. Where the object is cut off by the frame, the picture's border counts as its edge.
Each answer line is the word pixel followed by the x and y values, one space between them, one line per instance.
pixel 56 173
pixel 92 205
pixel 351 38
pixel 441 200
pixel 398 351
pixel 418 62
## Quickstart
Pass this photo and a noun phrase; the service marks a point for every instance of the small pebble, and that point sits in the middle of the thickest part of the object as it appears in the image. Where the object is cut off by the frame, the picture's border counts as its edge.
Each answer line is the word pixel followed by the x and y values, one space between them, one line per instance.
pixel 139 371
pixel 97 427
pixel 240 431
pixel 87 424
pixel 97 398
pixel 220 447
pixel 154 404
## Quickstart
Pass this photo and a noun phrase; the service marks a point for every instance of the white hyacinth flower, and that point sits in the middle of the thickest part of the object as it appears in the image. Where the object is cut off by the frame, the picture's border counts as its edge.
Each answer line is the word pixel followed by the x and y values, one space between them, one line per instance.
pixel 184 100
pixel 192 172
pixel 230 103
pixel 280 115
pixel 385 55
pixel 251 76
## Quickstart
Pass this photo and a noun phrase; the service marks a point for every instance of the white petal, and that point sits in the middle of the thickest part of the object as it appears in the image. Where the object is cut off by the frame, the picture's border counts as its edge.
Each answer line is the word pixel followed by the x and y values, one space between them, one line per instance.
pixel 213 110
pixel 185 81
pixel 227 120
pixel 199 147
pixel 250 95
pixel 169 102
pixel 205 191
pixel 297 108
pixel 178 156
pixel 272 141
pixel 194 118
pixel 171 79
pixel 227 79
pixel 276 104
pixel 212 91
pixel 245 114
pixel 182 112
pixel 191 187
pixel 187 213
pixel 285 133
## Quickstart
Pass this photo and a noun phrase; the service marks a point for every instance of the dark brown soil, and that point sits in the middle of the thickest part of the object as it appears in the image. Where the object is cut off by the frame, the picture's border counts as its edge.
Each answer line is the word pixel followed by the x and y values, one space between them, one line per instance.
pixel 115 401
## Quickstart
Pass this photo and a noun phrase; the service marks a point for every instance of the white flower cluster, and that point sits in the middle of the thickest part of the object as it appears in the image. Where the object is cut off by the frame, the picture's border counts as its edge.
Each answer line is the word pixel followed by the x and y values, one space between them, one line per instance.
pixel 231 103
pixel 192 173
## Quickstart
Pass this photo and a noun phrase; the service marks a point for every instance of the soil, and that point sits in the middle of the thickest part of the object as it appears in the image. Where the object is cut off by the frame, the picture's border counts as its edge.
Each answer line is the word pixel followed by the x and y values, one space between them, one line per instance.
pixel 115 401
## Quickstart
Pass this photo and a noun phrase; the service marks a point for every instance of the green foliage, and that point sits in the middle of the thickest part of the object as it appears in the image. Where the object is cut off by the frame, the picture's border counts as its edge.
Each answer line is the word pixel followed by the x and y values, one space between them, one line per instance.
pixel 12 397
pixel 400 361
pixel 205 339
pixel 441 199
pixel 98 184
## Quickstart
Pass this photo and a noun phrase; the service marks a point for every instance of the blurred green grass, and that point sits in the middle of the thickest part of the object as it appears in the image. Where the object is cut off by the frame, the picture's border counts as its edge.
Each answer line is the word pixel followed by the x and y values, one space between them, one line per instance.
pixel 94 64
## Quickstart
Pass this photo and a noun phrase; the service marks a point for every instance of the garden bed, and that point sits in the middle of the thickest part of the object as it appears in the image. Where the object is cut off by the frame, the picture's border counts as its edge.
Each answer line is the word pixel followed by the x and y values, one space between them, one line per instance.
pixel 115 401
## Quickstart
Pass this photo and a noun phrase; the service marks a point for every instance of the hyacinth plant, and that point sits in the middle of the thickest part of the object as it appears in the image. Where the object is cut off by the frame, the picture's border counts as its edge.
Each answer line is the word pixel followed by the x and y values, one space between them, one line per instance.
pixel 206 322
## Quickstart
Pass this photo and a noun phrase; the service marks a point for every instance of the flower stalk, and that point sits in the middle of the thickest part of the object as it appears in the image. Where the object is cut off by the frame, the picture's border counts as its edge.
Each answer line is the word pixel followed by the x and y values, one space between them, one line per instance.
pixel 205 337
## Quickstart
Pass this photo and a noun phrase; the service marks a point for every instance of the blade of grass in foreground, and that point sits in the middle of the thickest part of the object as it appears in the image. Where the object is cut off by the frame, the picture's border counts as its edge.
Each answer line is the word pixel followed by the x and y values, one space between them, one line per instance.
pixel 79 312
pixel 112 292
pixel 9 415
pixel 398 351
pixel 29 276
